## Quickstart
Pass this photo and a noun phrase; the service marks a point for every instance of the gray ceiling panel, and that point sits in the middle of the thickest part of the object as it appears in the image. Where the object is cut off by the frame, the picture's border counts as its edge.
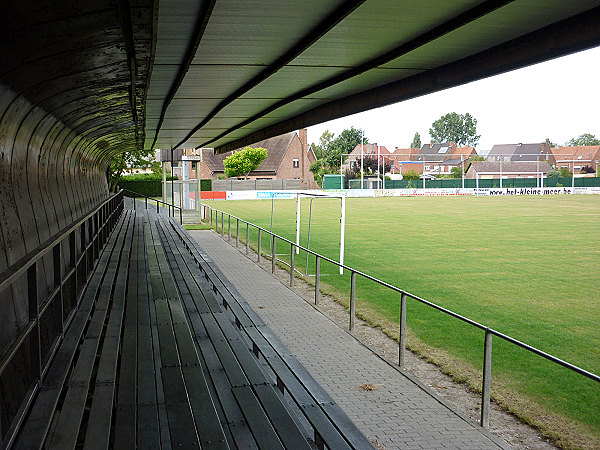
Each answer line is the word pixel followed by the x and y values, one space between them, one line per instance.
pixel 228 71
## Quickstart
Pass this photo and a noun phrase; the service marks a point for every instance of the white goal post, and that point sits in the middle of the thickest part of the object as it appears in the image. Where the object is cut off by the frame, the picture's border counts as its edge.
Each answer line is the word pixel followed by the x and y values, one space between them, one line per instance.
pixel 342 220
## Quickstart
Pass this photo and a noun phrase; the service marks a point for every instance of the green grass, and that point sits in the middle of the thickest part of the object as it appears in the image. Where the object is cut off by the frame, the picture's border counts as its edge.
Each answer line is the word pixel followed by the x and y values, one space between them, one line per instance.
pixel 196 226
pixel 526 266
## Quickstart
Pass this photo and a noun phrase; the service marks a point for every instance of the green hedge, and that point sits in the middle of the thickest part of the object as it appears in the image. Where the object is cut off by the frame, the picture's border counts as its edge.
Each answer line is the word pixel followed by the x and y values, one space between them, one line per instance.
pixel 149 188
pixel 206 185
pixel 146 177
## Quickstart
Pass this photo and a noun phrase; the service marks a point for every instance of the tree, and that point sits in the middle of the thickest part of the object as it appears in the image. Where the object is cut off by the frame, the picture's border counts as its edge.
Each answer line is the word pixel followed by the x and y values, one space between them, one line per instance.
pixel 410 175
pixel 584 139
pixel 565 172
pixel 344 144
pixel 587 169
pixel 554 173
pixel 139 159
pixel 458 128
pixel 475 158
pixel 456 172
pixel 318 170
pixel 324 141
pixel 245 161
pixel 330 149
pixel 550 143
pixel 369 167
pixel 416 142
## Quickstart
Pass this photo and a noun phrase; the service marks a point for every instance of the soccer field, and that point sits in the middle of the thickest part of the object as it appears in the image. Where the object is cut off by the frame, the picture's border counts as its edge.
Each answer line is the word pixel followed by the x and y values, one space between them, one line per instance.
pixel 526 266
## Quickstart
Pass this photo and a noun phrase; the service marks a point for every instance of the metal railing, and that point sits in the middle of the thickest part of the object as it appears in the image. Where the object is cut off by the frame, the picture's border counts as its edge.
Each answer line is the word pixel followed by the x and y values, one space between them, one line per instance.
pixel 207 212
pixel 171 206
pixel 37 342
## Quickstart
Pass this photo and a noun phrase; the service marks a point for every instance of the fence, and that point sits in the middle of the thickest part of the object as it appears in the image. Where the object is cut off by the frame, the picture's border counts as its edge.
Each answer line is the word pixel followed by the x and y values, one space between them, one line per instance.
pixel 255 185
pixel 159 204
pixel 212 215
pixel 455 183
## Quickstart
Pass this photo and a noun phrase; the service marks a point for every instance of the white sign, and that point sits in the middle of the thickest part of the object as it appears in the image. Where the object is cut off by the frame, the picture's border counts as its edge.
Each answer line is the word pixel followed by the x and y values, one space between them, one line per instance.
pixel 529 191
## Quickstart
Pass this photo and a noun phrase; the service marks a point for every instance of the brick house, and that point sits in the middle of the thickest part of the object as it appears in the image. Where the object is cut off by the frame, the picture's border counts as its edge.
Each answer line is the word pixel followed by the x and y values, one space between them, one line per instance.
pixel 507 169
pixel 370 150
pixel 521 152
pixel 288 157
pixel 575 158
pixel 439 158
pixel 400 157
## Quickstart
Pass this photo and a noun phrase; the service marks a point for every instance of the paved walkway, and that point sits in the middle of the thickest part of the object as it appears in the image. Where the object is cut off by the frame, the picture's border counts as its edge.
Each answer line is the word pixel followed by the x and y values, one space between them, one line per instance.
pixel 400 413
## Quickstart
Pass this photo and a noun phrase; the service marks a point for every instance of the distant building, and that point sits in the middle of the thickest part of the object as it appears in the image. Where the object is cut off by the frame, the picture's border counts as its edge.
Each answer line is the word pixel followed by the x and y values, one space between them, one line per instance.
pixel 507 169
pixel 439 158
pixel 288 158
pixel 365 150
pixel 521 152
pixel 576 158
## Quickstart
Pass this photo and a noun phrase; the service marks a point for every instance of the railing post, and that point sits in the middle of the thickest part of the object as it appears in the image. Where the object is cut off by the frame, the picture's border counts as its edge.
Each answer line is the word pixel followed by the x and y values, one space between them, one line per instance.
pixel 157 210
pixel 487 374
pixel 73 258
pixel 237 233
pixel 259 245
pixel 56 258
pixel 317 280
pixel 247 238
pixel 228 227
pixel 134 201
pixel 402 341
pixel 34 336
pixel 222 224
pixel 273 254
pixel 352 299
pixel 292 265
pixel 181 216
pixel 146 201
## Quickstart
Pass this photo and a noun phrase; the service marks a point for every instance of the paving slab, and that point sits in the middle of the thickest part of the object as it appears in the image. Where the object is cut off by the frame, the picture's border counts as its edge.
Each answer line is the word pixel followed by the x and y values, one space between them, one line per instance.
pixel 400 413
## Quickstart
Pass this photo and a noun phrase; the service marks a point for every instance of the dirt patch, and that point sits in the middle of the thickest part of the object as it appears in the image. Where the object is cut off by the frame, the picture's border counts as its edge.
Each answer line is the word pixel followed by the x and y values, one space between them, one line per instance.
pixel 450 388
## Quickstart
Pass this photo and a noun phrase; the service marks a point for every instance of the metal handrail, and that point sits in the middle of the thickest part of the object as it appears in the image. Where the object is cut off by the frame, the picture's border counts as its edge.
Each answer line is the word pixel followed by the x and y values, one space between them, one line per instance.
pixel 20 267
pixel 170 205
pixel 404 294
pixel 94 230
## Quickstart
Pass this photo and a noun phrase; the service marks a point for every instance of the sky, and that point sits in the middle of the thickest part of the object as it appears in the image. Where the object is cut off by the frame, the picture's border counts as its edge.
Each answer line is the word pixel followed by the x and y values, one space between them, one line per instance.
pixel 557 99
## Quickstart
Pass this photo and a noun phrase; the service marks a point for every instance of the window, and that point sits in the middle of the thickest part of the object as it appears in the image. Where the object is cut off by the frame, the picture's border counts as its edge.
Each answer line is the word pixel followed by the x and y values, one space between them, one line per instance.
pixel 352 164
pixel 426 167
pixel 443 149
pixel 295 162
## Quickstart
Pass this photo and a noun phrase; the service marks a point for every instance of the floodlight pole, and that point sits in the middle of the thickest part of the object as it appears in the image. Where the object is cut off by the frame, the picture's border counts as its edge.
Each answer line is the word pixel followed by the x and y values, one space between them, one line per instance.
pixel 342 233
pixel 462 163
pixel 362 151
pixel 298 224
pixel 573 175
pixel 378 180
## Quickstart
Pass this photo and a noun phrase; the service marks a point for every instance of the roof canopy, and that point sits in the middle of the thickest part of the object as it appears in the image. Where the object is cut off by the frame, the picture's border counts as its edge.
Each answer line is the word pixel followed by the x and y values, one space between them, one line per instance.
pixel 227 73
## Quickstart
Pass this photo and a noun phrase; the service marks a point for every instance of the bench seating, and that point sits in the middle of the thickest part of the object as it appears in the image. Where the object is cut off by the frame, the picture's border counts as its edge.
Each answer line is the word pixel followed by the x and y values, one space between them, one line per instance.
pixel 160 355
pixel 331 427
